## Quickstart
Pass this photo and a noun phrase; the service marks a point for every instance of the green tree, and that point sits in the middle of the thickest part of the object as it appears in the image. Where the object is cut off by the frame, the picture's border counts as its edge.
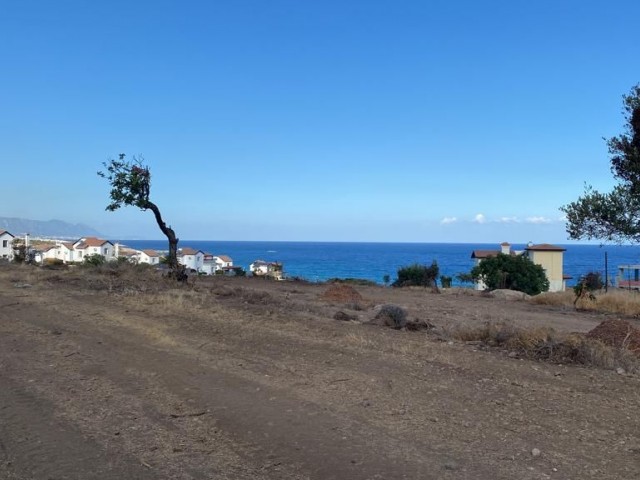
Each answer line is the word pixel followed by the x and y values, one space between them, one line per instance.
pixel 513 272
pixel 613 216
pixel 418 275
pixel 131 186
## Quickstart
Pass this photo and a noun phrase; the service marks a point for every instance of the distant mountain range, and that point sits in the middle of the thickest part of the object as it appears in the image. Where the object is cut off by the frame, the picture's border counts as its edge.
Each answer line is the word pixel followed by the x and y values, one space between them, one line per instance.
pixel 46 228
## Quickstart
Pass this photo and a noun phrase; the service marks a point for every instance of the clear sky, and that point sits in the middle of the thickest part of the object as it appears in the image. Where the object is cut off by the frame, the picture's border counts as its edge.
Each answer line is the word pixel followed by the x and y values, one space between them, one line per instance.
pixel 419 121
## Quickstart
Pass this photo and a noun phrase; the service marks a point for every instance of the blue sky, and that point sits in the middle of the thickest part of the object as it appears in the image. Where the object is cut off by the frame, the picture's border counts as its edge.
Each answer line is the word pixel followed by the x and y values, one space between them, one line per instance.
pixel 419 121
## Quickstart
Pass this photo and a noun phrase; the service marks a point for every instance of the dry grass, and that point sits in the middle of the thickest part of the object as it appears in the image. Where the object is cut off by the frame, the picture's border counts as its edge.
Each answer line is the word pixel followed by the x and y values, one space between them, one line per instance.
pixel 546 344
pixel 618 301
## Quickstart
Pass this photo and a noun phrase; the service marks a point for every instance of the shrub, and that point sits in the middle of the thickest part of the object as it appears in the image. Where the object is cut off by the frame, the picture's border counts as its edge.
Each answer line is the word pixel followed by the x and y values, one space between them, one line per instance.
pixel 592 281
pixel 418 275
pixel 392 316
pixel 94 260
pixel 53 262
pixel 513 272
pixel 445 281
pixel 465 277
pixel 585 287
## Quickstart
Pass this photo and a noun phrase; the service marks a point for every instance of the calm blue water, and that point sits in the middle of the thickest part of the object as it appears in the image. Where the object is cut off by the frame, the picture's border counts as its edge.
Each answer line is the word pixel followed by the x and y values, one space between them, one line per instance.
pixel 318 261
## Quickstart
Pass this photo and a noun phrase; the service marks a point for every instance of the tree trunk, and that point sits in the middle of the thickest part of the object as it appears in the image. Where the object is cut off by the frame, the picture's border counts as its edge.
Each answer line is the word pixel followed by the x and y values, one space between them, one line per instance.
pixel 172 259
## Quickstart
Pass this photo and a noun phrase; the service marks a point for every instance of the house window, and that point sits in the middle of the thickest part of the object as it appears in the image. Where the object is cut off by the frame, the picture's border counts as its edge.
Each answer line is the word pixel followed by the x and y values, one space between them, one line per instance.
pixel 5 243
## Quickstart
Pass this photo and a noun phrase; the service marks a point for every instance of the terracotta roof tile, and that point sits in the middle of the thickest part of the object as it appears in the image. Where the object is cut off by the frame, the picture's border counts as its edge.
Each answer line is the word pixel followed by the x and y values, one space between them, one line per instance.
pixel 545 247
pixel 189 251
pixel 484 253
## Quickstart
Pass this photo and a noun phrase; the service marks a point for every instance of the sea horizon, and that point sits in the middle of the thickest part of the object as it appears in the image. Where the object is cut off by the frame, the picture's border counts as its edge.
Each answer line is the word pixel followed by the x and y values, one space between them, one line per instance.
pixel 323 260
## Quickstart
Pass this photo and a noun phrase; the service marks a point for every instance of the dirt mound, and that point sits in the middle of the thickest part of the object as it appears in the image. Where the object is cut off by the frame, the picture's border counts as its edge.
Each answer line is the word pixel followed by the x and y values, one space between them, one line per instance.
pixel 619 334
pixel 341 294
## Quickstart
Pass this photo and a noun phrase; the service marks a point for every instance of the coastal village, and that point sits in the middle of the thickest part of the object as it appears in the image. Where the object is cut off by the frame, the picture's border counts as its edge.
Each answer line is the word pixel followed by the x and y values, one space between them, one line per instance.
pixel 47 251
pixel 550 257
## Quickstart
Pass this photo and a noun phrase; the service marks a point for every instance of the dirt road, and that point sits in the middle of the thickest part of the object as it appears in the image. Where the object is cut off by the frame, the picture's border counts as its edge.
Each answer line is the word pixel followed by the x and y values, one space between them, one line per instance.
pixel 242 379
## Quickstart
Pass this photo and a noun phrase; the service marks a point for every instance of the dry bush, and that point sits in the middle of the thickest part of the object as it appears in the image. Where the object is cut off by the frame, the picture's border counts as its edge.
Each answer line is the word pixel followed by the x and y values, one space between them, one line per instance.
pixel 556 299
pixel 617 301
pixel 391 316
pixel 113 277
pixel 546 344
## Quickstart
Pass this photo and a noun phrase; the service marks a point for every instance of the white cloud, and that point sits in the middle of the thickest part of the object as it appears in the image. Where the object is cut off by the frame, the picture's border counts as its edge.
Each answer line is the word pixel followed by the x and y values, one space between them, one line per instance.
pixel 447 220
pixel 562 218
pixel 479 218
pixel 538 220
pixel 508 220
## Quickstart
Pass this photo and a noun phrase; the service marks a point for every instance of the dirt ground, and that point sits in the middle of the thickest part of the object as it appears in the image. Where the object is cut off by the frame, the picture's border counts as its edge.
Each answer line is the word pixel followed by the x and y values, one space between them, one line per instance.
pixel 250 379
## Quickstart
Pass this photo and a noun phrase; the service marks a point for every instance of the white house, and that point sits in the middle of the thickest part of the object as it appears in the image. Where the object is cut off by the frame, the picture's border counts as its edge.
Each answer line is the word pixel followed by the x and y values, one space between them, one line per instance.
pixel 192 259
pixel 260 268
pixel 93 246
pixel 6 244
pixel 148 256
pixel 216 263
pixel 62 251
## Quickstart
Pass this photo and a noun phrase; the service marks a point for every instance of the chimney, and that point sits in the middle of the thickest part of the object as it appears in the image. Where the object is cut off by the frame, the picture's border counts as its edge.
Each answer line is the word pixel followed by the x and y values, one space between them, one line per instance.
pixel 505 248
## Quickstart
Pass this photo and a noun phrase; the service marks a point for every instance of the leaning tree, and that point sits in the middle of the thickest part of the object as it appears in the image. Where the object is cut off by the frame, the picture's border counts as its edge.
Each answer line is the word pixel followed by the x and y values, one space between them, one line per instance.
pixel 130 186
pixel 613 216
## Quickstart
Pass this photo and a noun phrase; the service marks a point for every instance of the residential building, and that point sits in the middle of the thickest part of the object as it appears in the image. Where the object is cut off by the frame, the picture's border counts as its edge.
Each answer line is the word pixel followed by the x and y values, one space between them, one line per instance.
pixel 6 244
pixel 93 246
pixel 151 257
pixel 549 257
pixel 192 259
pixel 62 251
pixel 260 268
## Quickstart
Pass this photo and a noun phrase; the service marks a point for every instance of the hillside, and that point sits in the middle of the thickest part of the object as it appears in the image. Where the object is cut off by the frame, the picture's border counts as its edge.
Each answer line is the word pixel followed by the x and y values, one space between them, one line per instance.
pixel 46 228
pixel 122 375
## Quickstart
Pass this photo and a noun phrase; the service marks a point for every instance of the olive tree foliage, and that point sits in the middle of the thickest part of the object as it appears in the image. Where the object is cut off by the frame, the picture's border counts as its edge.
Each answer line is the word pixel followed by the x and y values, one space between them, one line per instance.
pixel 513 272
pixel 131 186
pixel 613 216
pixel 418 275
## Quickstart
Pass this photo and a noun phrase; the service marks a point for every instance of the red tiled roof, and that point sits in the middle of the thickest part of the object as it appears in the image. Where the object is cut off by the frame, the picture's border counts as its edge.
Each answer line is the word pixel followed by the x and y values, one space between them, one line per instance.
pixel 484 253
pixel 91 242
pixel 189 251
pixel 2 232
pixel 224 258
pixel 545 247
pixel 151 253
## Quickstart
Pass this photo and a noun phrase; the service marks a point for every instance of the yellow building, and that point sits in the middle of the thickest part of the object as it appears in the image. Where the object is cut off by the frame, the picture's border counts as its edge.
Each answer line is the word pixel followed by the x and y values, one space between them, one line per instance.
pixel 549 257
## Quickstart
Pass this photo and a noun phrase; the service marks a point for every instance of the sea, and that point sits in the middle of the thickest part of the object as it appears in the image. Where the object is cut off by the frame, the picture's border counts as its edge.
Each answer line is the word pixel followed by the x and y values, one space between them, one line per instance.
pixel 321 261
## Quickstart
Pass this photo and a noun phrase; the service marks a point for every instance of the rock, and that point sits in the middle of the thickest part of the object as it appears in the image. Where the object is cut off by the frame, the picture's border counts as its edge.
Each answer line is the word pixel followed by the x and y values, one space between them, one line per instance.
pixel 536 452
pixel 505 294
pixel 620 371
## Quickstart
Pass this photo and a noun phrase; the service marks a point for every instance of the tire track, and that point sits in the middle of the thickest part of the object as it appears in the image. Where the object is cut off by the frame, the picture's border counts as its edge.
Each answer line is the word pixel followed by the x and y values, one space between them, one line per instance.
pixel 37 445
